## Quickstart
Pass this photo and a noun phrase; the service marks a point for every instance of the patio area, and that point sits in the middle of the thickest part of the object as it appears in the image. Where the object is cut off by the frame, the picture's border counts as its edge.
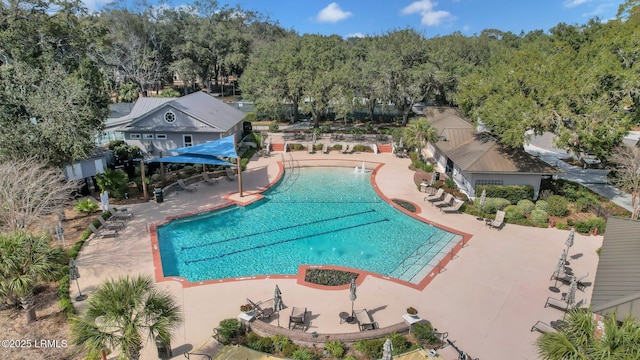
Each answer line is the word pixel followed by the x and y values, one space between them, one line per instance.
pixel 487 297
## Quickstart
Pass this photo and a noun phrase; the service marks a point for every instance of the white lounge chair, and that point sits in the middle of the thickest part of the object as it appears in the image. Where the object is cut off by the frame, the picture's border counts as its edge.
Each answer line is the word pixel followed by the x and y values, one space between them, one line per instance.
pixel 119 214
pixel 365 321
pixel 209 180
pixel 448 200
pixel 498 222
pixel 325 148
pixel 452 209
pixel 230 175
pixel 100 233
pixel 111 225
pixel 185 187
pixel 557 303
pixel 346 149
pixel 543 327
pixel 439 195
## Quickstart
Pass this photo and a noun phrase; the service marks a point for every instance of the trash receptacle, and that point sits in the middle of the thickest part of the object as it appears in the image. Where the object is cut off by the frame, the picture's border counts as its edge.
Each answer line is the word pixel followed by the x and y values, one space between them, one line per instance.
pixel 164 349
pixel 157 192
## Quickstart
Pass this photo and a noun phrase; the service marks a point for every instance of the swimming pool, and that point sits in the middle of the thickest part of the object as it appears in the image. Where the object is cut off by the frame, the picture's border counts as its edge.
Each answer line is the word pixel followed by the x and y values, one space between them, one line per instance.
pixel 317 216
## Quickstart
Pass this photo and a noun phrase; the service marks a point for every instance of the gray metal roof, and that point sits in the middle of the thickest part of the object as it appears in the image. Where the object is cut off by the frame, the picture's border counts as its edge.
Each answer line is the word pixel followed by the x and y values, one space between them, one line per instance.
pixel 617 281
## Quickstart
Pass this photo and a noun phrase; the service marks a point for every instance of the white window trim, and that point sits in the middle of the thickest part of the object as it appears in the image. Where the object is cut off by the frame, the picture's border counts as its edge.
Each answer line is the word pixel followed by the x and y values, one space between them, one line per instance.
pixel 161 136
pixel 135 136
pixel 165 117
pixel 147 136
pixel 184 143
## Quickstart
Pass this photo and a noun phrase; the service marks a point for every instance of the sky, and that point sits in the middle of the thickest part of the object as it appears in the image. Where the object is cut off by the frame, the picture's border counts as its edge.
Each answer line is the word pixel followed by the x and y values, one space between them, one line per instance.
pixel 432 18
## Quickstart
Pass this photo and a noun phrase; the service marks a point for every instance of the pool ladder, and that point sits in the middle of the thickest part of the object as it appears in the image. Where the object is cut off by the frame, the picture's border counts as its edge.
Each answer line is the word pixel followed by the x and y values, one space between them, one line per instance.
pixel 416 256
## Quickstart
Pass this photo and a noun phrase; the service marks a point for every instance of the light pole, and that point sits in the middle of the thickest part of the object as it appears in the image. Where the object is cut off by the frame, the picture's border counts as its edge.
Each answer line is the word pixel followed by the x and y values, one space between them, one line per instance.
pixel 74 275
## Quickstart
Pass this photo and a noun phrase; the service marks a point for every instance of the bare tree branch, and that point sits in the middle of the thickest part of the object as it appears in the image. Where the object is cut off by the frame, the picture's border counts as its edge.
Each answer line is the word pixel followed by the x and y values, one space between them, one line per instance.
pixel 628 173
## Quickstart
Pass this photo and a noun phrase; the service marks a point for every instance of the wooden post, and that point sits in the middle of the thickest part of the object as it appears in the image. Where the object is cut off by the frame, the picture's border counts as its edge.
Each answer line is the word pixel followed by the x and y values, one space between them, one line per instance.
pixel 239 169
pixel 144 182
pixel 162 176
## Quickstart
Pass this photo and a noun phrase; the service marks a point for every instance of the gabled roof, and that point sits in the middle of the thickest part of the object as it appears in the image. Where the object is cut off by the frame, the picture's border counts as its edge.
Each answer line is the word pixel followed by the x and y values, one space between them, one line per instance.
pixel 219 116
pixel 617 281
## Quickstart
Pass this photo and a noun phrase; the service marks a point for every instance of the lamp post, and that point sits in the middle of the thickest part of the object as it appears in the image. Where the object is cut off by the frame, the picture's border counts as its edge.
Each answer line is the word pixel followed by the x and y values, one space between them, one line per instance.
pixel 74 275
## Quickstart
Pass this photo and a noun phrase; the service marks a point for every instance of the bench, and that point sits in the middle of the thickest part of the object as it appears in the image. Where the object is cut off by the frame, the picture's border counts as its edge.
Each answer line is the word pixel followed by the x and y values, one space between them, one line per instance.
pixel 557 303
pixel 543 327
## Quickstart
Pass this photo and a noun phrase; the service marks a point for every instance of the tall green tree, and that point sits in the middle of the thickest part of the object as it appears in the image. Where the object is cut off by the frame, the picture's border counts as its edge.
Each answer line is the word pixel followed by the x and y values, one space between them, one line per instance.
pixel 26 260
pixel 419 132
pixel 124 314
pixel 579 339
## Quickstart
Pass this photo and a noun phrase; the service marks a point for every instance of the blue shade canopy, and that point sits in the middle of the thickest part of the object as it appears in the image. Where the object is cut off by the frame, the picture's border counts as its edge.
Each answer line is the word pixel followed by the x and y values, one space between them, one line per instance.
pixel 224 147
pixel 192 159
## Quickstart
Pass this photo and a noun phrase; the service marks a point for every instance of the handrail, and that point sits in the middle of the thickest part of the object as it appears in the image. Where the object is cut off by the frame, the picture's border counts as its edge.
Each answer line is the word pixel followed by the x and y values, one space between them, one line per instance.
pixel 187 354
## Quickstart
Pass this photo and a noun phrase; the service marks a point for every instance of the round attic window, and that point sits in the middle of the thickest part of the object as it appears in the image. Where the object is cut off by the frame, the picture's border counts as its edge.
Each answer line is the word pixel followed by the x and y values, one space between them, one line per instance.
pixel 169 117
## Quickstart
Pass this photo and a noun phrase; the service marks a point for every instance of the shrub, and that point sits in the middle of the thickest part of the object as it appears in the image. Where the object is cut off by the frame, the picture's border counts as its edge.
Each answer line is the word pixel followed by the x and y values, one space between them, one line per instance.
pixel 359 148
pixel 492 205
pixel 526 205
pixel 562 226
pixel 280 342
pixel 274 127
pixel 450 183
pixel 350 357
pixel 514 213
pixel 542 205
pixel 423 333
pixel 189 170
pixel 86 206
pixel 304 354
pixel 557 206
pixel 405 205
pixel 229 330
pixel 325 129
pixel 337 147
pixel 335 348
pixel 289 349
pixel 262 344
pixel 513 193
pixel 589 225
pixel 400 343
pixel 582 204
pixel 116 182
pixel 329 277
pixel 570 222
pixel 539 216
pixel 370 348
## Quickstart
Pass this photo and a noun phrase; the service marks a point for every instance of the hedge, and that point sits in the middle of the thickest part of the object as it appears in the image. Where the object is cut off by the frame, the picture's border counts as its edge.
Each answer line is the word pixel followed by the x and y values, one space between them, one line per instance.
pixel 513 193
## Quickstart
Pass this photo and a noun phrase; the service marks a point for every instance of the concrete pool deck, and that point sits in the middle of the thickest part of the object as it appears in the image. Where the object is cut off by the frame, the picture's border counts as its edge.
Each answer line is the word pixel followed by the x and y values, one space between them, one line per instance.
pixel 486 298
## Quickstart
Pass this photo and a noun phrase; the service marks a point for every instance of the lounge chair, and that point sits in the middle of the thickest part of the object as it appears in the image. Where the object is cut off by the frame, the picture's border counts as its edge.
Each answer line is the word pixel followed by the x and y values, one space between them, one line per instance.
pixel 102 232
pixel 325 149
pixel 455 208
pixel 566 279
pixel 230 175
pixel 439 195
pixel 209 180
pixel 543 327
pixel 266 311
pixel 111 225
pixel 346 149
pixel 498 222
pixel 311 149
pixel 298 317
pixel 448 200
pixel 365 321
pixel 119 214
pixel 185 187
pixel 557 303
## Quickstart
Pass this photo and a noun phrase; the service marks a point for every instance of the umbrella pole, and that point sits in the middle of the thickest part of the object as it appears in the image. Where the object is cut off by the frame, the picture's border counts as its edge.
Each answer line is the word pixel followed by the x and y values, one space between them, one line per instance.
pixel 144 183
pixel 235 145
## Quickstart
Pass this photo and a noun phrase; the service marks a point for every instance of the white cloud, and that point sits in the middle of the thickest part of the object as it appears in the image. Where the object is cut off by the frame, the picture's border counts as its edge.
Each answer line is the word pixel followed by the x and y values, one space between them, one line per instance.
pixel 95 5
pixel 355 35
pixel 574 3
pixel 425 8
pixel 332 13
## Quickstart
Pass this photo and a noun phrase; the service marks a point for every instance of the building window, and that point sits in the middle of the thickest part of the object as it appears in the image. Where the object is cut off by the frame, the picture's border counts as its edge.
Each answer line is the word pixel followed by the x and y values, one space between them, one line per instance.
pixel 161 136
pixel 488 182
pixel 188 140
pixel 134 136
pixel 147 136
pixel 170 117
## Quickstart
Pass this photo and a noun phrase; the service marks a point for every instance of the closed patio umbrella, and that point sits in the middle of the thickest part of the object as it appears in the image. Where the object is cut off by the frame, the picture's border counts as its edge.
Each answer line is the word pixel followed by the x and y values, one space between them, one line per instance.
pixel 387 349
pixel 560 266
pixel 571 294
pixel 352 292
pixel 569 241
pixel 277 302
pixel 483 198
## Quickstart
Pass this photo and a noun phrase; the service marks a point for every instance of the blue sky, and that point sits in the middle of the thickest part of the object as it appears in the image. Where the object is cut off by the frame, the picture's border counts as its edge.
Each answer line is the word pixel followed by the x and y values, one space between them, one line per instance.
pixel 432 18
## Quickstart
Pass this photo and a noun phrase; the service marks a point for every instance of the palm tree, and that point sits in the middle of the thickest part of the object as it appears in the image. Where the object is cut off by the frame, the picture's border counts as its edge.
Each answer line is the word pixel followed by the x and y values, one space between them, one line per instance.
pixel 121 312
pixel 419 132
pixel 25 261
pixel 579 339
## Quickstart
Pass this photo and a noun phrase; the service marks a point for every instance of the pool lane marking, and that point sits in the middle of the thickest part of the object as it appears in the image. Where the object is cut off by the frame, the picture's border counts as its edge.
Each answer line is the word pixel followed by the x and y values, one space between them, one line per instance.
pixel 187 262
pixel 278 229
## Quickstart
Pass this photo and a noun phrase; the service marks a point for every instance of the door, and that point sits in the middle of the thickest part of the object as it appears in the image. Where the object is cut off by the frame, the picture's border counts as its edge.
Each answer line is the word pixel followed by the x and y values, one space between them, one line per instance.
pixel 187 140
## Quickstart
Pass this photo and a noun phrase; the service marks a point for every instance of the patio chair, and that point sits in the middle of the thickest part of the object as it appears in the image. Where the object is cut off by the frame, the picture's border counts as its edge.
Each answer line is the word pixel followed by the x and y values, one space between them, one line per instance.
pixel 439 195
pixel 448 200
pixel 346 149
pixel 266 311
pixel 452 209
pixel 102 232
pixel 111 225
pixel 185 187
pixel 208 179
pixel 119 214
pixel 498 223
pixel 325 148
pixel 298 317
pixel 230 175
pixel 582 285
pixel 557 303
pixel 543 327
pixel 311 149
pixel 365 321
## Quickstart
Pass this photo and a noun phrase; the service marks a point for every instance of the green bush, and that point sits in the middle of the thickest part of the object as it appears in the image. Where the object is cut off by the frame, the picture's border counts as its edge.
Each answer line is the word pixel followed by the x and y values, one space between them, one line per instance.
pixel 86 206
pixel 423 333
pixel 289 349
pixel 492 205
pixel 280 342
pixel 526 205
pixel 350 357
pixel 589 225
pixel 337 147
pixel 582 204
pixel 274 127
pixel 329 277
pixel 116 182
pixel 539 216
pixel 557 206
pixel 513 193
pixel 72 253
pixel 189 170
pixel 296 147
pixel 304 354
pixel 450 183
pixel 229 330
pixel 370 348
pixel 262 344
pixel 359 148
pixel 335 348
pixel 542 205
pixel 514 213
pixel 562 226
pixel 400 343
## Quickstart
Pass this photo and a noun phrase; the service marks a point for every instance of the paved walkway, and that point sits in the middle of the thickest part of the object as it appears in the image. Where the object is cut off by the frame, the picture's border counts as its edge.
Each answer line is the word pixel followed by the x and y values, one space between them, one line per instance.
pixel 487 298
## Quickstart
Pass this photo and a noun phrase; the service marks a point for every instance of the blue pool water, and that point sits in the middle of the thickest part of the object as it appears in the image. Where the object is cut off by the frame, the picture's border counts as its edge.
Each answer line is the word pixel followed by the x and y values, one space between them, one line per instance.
pixel 317 216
